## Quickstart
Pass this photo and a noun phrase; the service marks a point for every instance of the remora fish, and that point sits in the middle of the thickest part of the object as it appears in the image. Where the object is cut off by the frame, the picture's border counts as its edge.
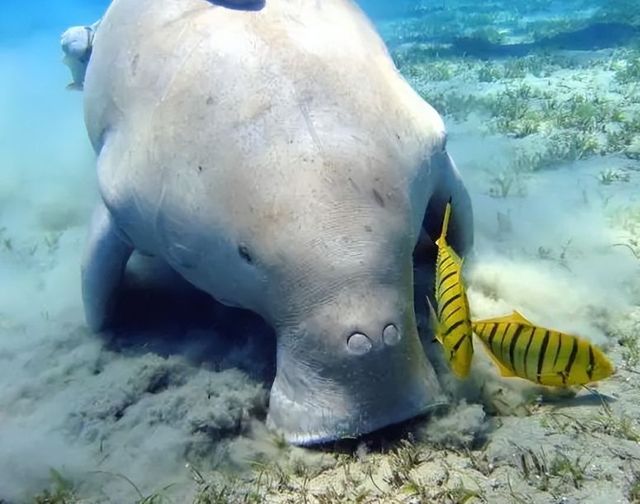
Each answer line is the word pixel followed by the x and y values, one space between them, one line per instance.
pixel 543 356
pixel 77 44
pixel 451 324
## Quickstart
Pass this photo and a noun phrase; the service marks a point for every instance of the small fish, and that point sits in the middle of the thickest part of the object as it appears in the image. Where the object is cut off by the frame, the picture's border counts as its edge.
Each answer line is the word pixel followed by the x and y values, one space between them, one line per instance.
pixel 540 355
pixel 77 44
pixel 451 324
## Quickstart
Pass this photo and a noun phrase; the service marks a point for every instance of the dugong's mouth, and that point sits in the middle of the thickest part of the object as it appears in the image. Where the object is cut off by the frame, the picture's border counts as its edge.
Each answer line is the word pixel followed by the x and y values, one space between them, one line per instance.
pixel 315 402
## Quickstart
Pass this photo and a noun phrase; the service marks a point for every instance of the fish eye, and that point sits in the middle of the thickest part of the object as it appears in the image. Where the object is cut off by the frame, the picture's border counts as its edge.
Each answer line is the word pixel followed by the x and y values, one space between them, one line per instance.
pixel 243 251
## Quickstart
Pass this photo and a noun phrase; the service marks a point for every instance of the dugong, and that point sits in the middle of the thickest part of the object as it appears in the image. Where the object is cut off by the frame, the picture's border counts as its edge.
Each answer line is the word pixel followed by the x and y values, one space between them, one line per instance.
pixel 275 158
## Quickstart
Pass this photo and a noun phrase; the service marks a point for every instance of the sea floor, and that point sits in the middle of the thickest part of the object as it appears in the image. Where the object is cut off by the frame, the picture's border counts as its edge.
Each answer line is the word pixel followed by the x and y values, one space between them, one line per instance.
pixel 542 104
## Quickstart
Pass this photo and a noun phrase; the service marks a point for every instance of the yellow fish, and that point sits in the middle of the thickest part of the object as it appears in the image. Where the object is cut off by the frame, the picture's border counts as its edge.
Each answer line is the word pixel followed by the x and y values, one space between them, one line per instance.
pixel 540 355
pixel 451 324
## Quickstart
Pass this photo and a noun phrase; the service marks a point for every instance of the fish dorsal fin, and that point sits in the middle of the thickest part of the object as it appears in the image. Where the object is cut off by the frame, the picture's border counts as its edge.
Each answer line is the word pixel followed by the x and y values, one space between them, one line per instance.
pixel 494 320
pixel 514 317
pixel 519 317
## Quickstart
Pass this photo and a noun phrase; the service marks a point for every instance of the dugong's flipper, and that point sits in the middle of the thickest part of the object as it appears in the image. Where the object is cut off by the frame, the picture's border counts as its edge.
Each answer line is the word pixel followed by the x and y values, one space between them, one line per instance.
pixel 103 265
pixel 449 185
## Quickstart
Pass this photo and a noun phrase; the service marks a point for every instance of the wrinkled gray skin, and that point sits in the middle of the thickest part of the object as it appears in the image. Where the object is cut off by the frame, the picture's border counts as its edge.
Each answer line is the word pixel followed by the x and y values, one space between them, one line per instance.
pixel 277 160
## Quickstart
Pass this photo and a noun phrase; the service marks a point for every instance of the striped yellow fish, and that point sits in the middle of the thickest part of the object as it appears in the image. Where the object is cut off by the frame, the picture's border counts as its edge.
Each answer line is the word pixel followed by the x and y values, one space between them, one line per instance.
pixel 451 324
pixel 543 356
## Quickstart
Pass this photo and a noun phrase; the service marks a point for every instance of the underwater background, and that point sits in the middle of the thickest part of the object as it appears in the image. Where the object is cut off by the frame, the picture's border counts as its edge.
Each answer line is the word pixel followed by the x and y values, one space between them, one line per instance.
pixel 541 99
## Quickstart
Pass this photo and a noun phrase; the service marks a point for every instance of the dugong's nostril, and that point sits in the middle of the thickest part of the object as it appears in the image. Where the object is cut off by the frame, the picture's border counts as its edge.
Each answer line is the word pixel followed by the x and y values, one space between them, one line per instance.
pixel 359 344
pixel 390 335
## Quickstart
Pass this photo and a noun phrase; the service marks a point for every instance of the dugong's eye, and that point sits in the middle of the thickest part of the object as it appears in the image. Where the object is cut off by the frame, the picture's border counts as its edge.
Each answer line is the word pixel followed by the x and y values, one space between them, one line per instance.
pixel 243 251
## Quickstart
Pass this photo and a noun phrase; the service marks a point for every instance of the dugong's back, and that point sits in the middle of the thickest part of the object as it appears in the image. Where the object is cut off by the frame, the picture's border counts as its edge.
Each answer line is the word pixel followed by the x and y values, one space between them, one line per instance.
pixel 169 68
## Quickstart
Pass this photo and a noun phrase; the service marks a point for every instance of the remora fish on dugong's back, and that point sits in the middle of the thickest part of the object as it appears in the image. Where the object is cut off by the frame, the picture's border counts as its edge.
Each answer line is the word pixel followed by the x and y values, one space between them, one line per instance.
pixel 277 160
pixel 76 43
pixel 540 355
pixel 450 323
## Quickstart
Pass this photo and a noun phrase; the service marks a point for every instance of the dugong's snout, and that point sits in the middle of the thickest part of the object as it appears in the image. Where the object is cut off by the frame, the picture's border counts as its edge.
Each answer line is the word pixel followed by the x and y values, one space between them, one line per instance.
pixel 341 375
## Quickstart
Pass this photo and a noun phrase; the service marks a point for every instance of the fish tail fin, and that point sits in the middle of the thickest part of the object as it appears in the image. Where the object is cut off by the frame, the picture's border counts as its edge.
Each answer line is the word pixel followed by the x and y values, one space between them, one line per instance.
pixel 74 86
pixel 445 223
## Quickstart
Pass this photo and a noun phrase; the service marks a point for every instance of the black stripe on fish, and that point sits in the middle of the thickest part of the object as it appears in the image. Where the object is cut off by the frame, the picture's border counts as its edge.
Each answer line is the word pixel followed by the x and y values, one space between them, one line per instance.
pixel 543 350
pixel 491 335
pixel 458 343
pixel 501 346
pixel 526 350
pixel 445 260
pixel 447 290
pixel 453 327
pixel 452 313
pixel 572 358
pixel 447 268
pixel 446 277
pixel 496 346
pixel 555 359
pixel 592 361
pixel 445 255
pixel 447 303
pixel 512 346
